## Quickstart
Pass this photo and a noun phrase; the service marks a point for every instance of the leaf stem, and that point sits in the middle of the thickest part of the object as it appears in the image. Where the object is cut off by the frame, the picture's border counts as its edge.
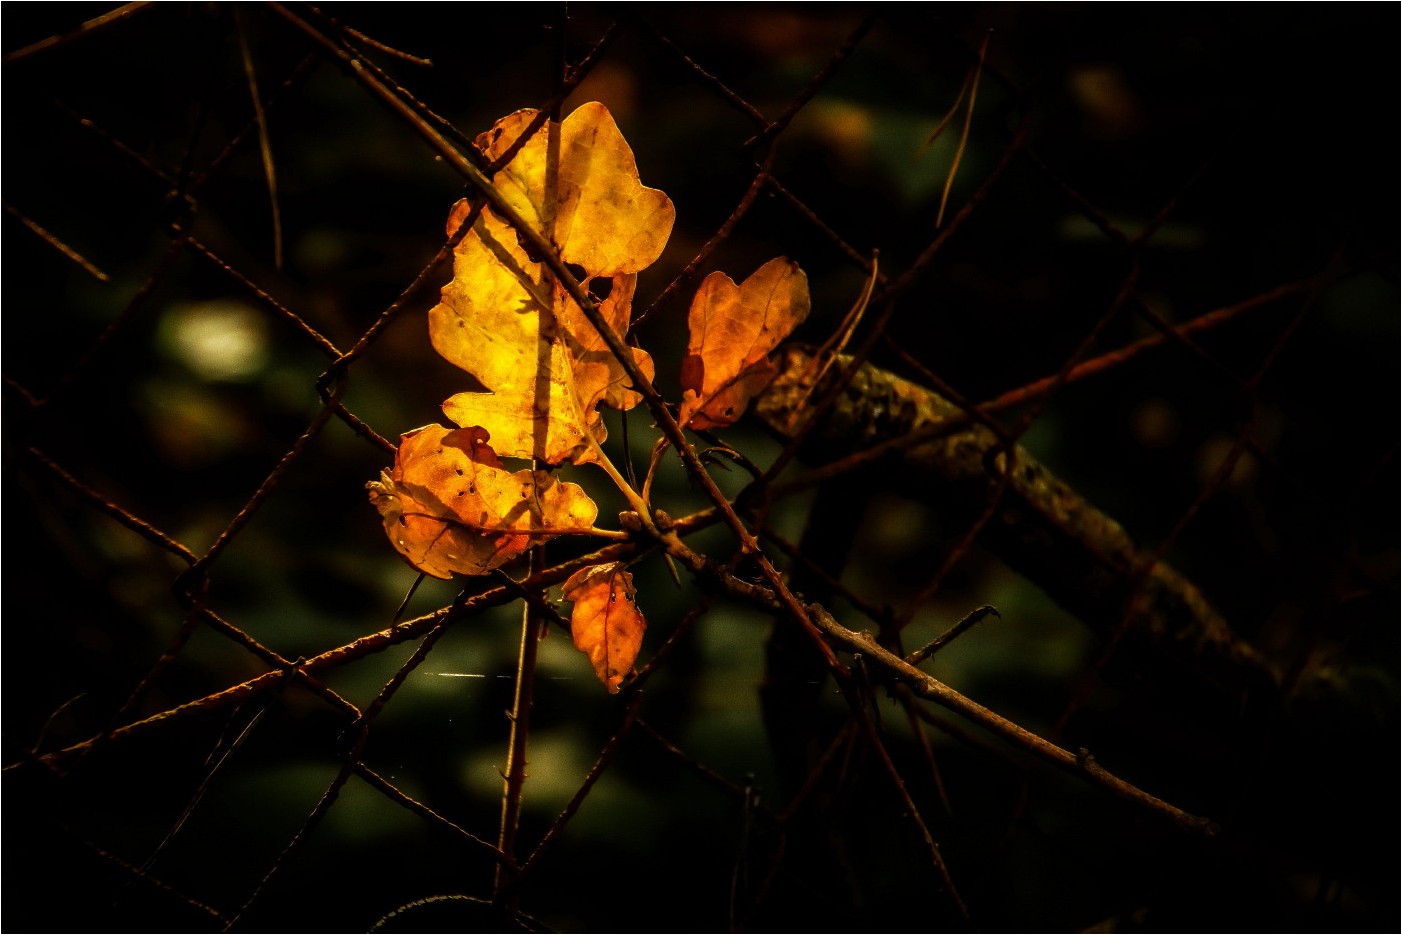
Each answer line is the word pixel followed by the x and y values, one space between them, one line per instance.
pixel 635 499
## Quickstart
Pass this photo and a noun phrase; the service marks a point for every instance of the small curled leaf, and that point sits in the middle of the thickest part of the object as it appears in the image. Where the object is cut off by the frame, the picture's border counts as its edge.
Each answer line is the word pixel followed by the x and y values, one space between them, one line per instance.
pixel 606 623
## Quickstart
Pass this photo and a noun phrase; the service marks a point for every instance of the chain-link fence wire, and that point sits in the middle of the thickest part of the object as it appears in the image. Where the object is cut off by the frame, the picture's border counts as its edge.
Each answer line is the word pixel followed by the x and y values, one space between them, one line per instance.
pixel 1147 246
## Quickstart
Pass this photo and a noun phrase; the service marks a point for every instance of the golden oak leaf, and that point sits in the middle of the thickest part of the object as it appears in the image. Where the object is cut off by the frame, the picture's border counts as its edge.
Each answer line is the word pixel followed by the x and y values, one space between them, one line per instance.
pixel 450 506
pixel 598 376
pixel 496 321
pixel 606 623
pixel 732 330
pixel 602 216
pixel 505 320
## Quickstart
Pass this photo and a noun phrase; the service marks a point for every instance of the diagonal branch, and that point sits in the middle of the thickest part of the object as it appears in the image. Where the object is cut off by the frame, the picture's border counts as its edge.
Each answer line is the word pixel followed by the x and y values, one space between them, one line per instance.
pixel 1080 764
pixel 1043 528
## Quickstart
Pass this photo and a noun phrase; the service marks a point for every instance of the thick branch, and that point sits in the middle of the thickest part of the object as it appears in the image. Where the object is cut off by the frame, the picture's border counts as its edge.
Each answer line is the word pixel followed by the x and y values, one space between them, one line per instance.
pixel 1041 527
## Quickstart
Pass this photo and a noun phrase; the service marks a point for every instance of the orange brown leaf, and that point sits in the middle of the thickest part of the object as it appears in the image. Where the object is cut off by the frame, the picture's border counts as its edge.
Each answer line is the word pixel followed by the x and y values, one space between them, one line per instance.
pixel 732 330
pixel 450 506
pixel 606 622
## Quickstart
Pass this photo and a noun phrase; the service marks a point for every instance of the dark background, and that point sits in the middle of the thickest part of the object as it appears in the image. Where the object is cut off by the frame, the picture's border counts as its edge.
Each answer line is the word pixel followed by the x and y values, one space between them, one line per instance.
pixel 1270 132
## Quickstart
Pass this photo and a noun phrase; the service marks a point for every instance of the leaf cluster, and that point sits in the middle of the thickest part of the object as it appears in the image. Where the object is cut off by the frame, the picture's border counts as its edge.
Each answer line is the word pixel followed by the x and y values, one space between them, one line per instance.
pixel 449 504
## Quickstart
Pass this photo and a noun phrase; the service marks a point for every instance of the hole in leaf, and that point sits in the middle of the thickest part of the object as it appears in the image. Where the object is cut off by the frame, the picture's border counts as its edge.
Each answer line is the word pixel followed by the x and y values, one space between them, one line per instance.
pixel 576 271
pixel 600 287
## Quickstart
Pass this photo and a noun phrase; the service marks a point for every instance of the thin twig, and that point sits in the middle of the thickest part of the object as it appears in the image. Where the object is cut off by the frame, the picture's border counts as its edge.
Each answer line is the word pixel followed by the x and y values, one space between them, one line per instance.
pixel 720 87
pixel 909 277
pixel 323 805
pixel 300 71
pixel 601 762
pixel 128 519
pixel 101 133
pixel 700 769
pixel 1123 355
pixel 346 52
pixel 815 84
pixel 928 687
pixel 57 244
pixel 321 341
pixel 1135 598
pixel 839 741
pixel 265 147
pixel 374 43
pixel 944 122
pixel 399 797
pixel 927 749
pixel 877 614
pixel 614 744
pixel 551 109
pixel 747 200
pixel 351 762
pixel 964 134
pixel 862 260
pixel 162 268
pixel 138 873
pixel 356 649
pixel 912 811
pixel 513 783
pixel 264 490
pixel 948 636
pixel 88 28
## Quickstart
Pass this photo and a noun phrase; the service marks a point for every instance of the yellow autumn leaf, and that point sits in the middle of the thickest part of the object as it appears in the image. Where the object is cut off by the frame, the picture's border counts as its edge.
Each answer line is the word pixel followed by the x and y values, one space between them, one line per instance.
pixel 602 216
pixel 450 506
pixel 732 330
pixel 505 320
pixel 606 623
